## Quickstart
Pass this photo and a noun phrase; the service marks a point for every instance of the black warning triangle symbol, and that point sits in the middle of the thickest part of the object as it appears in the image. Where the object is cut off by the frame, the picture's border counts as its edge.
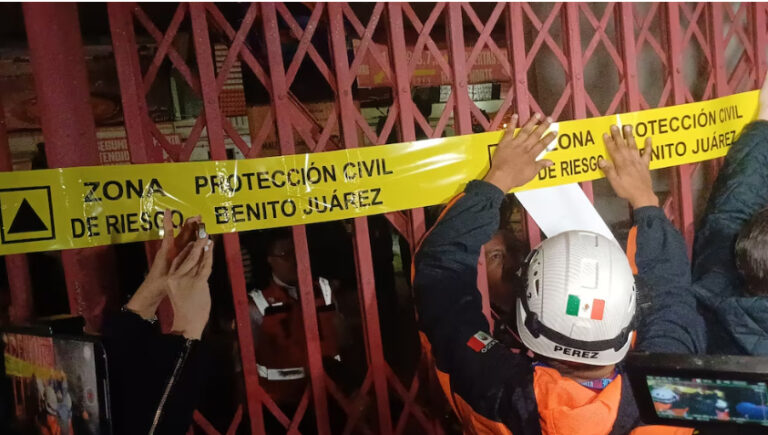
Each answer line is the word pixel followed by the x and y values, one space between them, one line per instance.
pixel 26 220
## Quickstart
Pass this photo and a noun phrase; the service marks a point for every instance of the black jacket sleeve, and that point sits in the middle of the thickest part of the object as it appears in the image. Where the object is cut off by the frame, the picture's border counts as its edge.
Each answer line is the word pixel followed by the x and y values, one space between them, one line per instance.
pixel 450 308
pixel 140 362
pixel 668 320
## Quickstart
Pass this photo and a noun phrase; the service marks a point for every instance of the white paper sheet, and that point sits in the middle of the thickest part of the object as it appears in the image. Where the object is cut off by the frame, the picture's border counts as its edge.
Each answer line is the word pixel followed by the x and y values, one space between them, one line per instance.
pixel 563 208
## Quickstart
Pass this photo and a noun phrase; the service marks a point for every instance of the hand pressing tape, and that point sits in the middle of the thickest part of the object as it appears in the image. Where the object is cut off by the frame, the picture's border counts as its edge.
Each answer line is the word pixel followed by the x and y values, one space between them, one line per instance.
pixel 89 206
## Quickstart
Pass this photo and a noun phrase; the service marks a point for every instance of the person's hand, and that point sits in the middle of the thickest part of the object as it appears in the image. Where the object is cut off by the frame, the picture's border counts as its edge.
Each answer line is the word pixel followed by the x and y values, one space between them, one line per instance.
pixel 188 288
pixel 763 109
pixel 154 287
pixel 514 162
pixel 629 174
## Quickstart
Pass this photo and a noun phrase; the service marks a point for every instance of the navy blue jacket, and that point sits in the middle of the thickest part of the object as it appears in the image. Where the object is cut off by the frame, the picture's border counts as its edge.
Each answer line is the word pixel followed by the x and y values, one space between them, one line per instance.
pixel 737 323
pixel 498 384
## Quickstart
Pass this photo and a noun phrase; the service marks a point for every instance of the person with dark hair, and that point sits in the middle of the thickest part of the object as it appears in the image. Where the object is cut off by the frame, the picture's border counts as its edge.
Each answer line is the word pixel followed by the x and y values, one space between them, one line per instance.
pixel 752 254
pixel 730 253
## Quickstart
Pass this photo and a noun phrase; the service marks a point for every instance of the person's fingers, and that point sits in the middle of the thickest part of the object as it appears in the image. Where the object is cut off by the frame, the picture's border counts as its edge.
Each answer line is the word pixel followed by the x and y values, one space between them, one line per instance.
pixel 188 231
pixel 180 257
pixel 608 169
pixel 542 143
pixel 543 163
pixel 206 262
pixel 618 139
pixel 190 260
pixel 166 249
pixel 648 151
pixel 610 145
pixel 167 229
pixel 509 133
pixel 538 132
pixel 529 126
pixel 629 137
pixel 512 124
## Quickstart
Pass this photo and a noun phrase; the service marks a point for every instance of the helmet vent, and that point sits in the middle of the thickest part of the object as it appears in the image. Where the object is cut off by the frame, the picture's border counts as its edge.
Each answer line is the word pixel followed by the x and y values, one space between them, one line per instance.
pixel 538 289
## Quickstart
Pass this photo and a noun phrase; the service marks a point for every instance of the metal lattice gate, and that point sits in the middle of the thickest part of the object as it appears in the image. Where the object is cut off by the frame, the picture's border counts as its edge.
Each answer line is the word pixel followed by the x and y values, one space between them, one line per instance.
pixel 696 50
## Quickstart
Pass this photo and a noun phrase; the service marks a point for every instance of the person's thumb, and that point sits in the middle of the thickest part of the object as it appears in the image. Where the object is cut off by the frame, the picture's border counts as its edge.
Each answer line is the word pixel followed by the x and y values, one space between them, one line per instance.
pixel 607 167
pixel 543 163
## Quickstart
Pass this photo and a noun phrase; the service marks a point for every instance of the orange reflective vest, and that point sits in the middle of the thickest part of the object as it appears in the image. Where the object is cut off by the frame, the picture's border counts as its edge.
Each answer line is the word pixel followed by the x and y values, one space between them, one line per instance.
pixel 281 347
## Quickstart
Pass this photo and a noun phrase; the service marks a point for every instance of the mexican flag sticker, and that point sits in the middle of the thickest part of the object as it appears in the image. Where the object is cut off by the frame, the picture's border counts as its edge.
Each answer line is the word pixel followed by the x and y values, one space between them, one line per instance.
pixel 479 341
pixel 586 308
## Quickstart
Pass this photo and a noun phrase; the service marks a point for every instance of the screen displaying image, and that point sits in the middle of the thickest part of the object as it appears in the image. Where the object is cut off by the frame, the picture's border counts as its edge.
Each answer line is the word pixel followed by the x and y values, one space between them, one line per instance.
pixel 709 399
pixel 54 383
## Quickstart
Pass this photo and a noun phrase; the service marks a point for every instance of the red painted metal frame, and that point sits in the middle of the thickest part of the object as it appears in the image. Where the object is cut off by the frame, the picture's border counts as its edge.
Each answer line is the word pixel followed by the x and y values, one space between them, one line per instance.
pixel 681 175
pixel 19 280
pixel 61 81
pixel 462 121
pixel 280 90
pixel 369 309
pixel 667 31
pixel 380 375
pixel 411 226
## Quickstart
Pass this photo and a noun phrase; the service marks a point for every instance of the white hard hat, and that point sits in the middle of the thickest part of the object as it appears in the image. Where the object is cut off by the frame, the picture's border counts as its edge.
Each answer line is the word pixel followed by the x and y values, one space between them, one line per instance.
pixel 664 395
pixel 579 302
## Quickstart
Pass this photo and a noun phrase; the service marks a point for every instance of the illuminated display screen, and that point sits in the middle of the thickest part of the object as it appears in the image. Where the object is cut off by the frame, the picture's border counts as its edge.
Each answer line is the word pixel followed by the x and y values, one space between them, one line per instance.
pixel 697 399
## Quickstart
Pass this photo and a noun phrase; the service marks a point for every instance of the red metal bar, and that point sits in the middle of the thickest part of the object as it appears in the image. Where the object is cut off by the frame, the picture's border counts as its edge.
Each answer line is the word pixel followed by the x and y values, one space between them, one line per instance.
pixel 17 267
pixel 629 55
pixel 402 88
pixel 516 40
pixel 718 49
pixel 285 135
pixel 140 141
pixel 173 55
pixel 236 421
pixel 572 34
pixel 214 127
pixel 416 225
pixel 164 45
pixel 215 131
pixel 628 51
pixel 575 66
pixel 681 175
pixel 61 84
pixel 364 259
pixel 520 65
pixel 141 145
pixel 759 33
pixel 462 117
pixel 402 81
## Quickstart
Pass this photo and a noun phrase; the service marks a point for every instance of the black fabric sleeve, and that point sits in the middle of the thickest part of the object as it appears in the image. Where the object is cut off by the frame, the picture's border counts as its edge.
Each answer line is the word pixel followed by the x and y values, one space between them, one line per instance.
pixel 450 307
pixel 668 321
pixel 140 361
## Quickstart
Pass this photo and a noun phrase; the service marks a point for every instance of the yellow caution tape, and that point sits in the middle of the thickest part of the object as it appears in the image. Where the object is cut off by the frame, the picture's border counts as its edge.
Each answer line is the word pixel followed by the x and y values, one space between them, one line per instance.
pixel 17 367
pixel 88 206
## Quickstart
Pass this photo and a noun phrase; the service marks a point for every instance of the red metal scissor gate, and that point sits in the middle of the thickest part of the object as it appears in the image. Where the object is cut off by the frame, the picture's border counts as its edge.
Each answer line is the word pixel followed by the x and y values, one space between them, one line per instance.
pixel 605 58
